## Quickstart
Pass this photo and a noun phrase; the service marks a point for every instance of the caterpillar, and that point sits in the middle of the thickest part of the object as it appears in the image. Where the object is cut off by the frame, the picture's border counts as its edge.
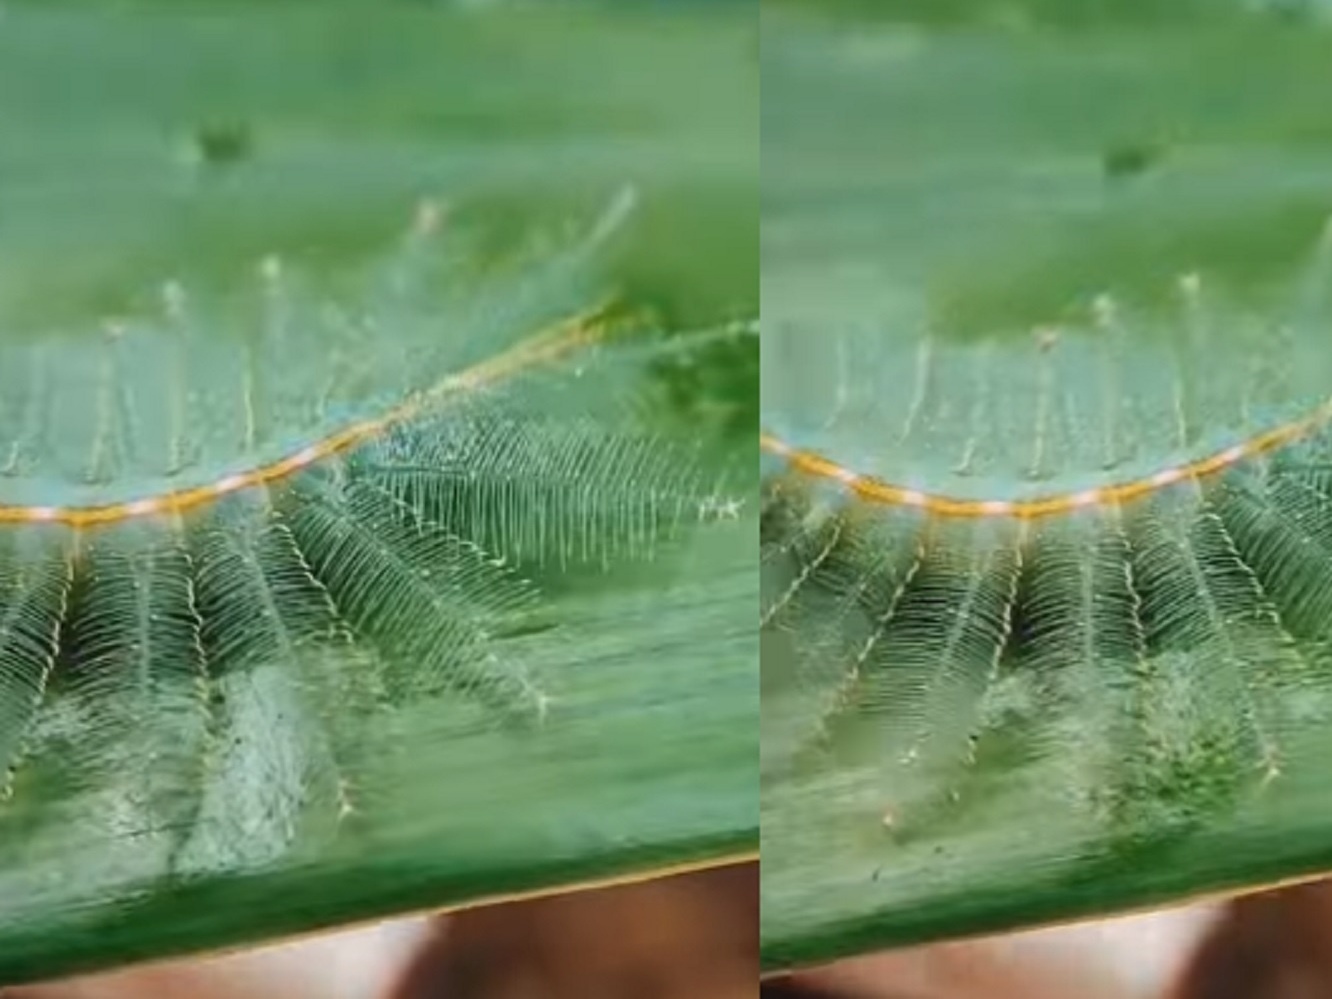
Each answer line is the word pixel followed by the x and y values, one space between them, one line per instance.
pixel 223 523
pixel 1097 554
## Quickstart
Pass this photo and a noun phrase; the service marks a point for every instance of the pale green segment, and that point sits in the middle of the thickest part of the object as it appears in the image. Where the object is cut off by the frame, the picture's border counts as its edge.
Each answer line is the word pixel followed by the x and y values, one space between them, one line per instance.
pixel 202 389
pixel 1113 395
pixel 965 189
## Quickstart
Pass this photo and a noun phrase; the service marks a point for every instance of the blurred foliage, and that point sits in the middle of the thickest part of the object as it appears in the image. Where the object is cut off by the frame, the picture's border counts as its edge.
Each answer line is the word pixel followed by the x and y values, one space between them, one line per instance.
pixel 1065 13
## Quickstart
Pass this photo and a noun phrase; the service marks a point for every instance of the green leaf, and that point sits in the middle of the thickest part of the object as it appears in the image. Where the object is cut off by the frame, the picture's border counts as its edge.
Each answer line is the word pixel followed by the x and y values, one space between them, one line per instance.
pixel 354 556
pixel 1045 503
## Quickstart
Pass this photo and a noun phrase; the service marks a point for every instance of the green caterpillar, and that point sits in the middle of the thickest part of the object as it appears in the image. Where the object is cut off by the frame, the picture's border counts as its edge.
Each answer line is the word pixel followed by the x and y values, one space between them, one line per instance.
pixel 213 547
pixel 1106 552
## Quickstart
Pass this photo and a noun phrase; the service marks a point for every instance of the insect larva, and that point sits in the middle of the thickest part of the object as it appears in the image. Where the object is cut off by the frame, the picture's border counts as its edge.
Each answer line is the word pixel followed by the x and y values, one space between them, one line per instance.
pixel 1106 551
pixel 212 545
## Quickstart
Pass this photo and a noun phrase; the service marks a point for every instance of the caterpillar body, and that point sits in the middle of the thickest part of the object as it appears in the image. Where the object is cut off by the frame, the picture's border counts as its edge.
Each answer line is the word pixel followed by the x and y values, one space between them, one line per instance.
pixel 1100 552
pixel 212 542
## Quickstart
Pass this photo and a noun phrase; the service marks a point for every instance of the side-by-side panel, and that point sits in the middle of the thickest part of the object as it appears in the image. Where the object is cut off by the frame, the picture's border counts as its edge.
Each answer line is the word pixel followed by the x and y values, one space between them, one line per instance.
pixel 1046 534
pixel 378 511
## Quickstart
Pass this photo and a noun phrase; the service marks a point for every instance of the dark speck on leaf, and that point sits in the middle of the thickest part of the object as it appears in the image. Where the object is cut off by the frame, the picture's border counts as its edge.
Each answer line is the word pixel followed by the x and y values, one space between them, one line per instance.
pixel 1129 160
pixel 224 143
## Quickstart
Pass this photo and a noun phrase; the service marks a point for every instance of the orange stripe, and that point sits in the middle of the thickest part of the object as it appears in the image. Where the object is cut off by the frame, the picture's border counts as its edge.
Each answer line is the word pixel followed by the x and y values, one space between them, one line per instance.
pixel 564 338
pixel 876 490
